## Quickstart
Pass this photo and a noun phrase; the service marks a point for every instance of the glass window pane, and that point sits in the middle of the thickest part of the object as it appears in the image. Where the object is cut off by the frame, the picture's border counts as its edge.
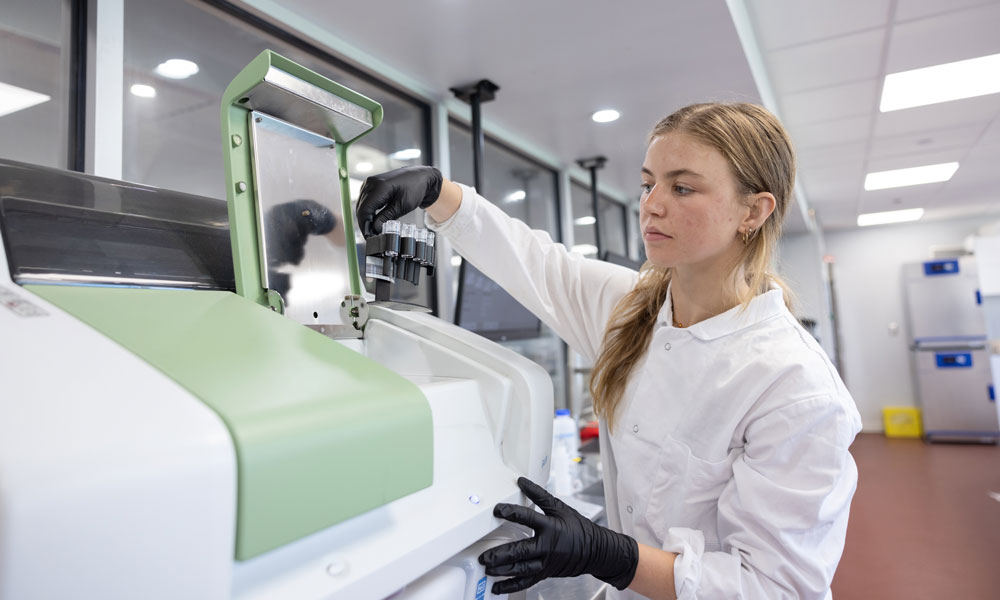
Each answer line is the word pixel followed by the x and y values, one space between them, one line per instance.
pixel 172 139
pixel 525 191
pixel 584 236
pixel 34 81
pixel 613 233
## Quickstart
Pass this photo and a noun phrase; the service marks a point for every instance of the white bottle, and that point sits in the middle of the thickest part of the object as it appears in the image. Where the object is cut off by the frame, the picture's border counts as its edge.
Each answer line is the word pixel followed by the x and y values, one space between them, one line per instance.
pixel 565 448
pixel 564 433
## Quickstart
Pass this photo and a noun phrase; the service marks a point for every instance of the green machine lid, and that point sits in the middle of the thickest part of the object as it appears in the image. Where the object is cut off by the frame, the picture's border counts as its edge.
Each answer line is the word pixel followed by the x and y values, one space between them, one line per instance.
pixel 286 132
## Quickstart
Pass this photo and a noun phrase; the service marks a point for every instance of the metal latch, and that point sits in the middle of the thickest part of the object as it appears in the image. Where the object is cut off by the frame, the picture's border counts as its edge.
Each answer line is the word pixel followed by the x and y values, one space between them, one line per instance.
pixel 354 310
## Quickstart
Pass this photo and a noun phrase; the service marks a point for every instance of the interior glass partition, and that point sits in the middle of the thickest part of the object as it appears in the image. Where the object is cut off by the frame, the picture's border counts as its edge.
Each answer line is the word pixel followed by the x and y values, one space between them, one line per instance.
pixel 614 234
pixel 35 62
pixel 527 191
pixel 179 58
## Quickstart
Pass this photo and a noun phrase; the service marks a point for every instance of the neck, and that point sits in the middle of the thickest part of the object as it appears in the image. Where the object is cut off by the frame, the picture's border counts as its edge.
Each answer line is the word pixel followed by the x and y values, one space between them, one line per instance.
pixel 699 292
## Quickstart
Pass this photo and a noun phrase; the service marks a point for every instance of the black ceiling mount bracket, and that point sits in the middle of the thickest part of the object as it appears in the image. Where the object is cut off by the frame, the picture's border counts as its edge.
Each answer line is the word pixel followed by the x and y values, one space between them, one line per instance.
pixel 483 90
pixel 592 164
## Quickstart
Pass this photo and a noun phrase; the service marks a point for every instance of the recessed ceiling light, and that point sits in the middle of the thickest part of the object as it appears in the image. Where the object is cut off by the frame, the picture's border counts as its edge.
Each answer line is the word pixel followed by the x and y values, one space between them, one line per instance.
pixel 407 154
pixel 941 83
pixel 585 220
pixel 13 98
pixel 516 196
pixel 891 216
pixel 176 68
pixel 606 116
pixel 364 167
pixel 584 249
pixel 912 176
pixel 143 91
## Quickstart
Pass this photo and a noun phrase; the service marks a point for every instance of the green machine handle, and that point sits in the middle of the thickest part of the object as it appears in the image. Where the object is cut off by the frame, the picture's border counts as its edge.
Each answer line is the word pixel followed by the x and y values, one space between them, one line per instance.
pixel 280 88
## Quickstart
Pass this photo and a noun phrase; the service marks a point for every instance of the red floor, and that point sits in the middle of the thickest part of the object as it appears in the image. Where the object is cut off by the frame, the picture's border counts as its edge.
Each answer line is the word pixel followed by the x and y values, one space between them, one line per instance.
pixel 923 524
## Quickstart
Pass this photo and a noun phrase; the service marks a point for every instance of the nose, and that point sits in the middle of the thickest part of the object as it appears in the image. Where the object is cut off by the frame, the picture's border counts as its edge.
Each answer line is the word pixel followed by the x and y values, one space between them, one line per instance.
pixel 652 203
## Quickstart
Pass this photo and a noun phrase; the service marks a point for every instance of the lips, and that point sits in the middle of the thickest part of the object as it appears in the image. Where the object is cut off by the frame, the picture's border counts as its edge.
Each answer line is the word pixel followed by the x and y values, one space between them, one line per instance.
pixel 653 234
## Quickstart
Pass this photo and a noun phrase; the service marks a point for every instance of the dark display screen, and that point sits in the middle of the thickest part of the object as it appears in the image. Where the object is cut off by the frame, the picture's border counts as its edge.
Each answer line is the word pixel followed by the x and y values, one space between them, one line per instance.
pixel 485 308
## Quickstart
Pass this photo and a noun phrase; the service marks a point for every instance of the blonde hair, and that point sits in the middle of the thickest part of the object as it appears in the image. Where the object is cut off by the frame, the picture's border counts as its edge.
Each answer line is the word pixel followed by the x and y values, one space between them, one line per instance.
pixel 761 157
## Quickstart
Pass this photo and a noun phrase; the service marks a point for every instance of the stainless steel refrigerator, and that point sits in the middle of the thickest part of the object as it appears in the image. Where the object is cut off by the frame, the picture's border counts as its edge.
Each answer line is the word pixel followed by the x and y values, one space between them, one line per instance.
pixel 949 350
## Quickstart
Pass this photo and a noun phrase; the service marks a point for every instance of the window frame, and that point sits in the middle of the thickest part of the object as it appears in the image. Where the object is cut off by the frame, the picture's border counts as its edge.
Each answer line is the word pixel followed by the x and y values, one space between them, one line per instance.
pixel 487 138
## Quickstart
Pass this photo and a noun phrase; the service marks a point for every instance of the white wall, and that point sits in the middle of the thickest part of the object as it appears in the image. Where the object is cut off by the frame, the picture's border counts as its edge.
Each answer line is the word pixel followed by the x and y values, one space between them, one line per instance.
pixel 869 293
pixel 800 263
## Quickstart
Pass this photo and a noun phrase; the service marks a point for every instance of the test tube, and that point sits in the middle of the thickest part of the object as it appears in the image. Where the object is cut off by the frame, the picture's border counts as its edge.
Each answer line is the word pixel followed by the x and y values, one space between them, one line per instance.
pixel 391 229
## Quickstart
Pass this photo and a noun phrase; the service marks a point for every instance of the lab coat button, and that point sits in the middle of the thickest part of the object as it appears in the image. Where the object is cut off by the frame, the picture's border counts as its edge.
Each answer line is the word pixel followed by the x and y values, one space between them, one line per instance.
pixel 666 346
pixel 629 509
pixel 635 429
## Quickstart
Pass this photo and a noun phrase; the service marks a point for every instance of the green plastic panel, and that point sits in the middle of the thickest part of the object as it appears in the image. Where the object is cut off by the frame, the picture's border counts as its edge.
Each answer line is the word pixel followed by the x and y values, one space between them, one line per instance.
pixel 321 433
pixel 239 169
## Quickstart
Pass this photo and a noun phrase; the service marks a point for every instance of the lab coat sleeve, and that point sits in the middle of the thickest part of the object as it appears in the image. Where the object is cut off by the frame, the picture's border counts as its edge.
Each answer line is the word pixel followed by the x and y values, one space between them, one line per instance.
pixel 783 515
pixel 571 294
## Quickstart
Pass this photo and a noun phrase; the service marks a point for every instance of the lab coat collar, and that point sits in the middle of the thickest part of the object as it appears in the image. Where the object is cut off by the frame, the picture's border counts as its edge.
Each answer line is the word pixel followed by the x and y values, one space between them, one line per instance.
pixel 761 308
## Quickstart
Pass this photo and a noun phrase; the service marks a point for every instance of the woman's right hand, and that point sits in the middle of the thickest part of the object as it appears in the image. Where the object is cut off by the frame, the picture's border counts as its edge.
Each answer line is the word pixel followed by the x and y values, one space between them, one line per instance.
pixel 394 194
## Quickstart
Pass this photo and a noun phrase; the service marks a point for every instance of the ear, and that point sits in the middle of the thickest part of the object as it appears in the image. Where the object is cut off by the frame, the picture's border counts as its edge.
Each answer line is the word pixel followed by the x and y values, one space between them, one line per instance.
pixel 760 208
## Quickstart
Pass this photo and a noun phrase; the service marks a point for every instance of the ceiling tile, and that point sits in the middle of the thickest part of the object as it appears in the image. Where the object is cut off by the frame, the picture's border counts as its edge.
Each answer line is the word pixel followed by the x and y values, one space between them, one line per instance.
pixel 848 100
pixel 940 213
pixel 927 140
pixel 945 38
pixel 781 23
pixel 991 137
pixel 915 196
pixel 917 159
pixel 907 10
pixel 830 133
pixel 841 60
pixel 818 157
pixel 978 168
pixel 837 216
pixel 958 113
pixel 835 184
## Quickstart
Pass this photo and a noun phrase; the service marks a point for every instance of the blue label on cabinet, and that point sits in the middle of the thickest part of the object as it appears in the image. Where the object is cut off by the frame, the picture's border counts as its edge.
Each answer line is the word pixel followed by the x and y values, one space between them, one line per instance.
pixel 481 589
pixel 953 360
pixel 941 267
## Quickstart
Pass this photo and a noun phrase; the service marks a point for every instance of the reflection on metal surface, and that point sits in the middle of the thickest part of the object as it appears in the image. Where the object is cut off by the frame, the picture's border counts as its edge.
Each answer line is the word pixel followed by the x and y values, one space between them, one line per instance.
pixel 304 253
pixel 312 108
pixel 67 227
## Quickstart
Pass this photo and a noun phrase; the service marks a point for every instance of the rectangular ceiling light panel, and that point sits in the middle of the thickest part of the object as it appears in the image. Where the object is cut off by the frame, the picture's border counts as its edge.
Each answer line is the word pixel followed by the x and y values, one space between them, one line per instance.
pixel 912 176
pixel 892 216
pixel 941 83
pixel 13 98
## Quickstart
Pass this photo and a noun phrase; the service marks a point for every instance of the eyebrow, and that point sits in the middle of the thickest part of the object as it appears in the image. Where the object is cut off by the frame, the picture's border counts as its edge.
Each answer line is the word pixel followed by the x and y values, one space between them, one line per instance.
pixel 674 173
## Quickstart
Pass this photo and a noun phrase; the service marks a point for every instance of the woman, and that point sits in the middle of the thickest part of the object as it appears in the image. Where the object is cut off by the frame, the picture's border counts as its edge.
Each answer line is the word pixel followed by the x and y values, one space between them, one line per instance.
pixel 724 427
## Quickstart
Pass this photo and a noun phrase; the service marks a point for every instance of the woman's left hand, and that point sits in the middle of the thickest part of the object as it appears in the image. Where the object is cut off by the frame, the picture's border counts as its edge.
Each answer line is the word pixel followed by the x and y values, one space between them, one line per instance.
pixel 565 544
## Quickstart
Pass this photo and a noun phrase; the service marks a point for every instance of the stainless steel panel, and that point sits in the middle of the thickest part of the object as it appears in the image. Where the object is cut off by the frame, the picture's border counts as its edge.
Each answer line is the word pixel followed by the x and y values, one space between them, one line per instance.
pixel 67 227
pixel 956 398
pixel 943 306
pixel 304 250
pixel 312 108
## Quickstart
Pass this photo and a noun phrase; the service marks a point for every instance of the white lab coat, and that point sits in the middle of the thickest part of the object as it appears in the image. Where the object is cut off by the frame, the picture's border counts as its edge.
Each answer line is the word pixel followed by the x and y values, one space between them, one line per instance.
pixel 731 442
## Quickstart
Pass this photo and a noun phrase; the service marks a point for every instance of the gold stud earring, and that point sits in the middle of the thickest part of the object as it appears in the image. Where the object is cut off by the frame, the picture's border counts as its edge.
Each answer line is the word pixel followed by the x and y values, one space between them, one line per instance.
pixel 745 237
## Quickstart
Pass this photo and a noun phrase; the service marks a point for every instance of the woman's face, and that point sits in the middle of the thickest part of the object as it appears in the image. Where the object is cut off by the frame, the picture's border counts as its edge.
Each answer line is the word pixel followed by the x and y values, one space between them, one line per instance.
pixel 690 209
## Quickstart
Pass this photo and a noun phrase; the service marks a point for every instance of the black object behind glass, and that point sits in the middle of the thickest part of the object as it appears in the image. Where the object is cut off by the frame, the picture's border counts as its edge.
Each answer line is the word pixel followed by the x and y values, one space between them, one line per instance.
pixel 485 308
pixel 624 261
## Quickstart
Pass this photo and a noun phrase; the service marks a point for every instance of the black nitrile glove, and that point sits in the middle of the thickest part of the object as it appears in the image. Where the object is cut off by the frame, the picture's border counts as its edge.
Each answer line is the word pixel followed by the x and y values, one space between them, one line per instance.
pixel 390 196
pixel 566 544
